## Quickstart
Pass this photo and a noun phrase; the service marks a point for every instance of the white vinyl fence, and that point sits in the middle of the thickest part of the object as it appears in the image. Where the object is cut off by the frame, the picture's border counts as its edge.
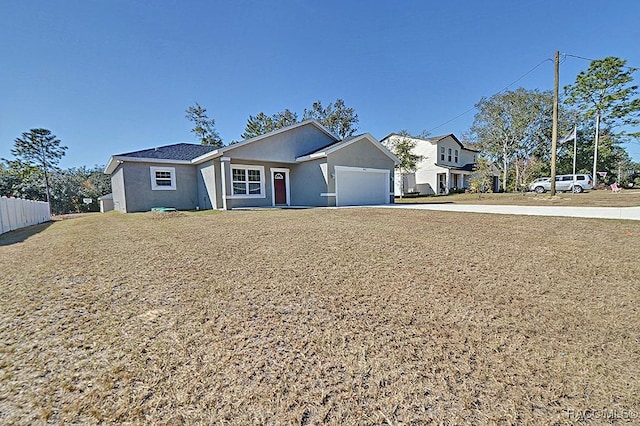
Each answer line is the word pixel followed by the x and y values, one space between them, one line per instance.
pixel 17 213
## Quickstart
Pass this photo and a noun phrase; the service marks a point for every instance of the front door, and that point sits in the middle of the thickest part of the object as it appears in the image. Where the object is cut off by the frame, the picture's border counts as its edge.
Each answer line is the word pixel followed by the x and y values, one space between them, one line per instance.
pixel 442 183
pixel 280 188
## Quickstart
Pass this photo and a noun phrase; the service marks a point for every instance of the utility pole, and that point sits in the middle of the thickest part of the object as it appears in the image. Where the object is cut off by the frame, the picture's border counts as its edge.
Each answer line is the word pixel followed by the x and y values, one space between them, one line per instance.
pixel 554 131
pixel 595 150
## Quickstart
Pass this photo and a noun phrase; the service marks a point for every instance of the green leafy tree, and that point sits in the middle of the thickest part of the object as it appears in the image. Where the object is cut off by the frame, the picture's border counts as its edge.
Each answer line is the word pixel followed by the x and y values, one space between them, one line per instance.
pixel 284 119
pixel 630 177
pixel 261 123
pixel 8 180
pixel 257 125
pixel 70 187
pixel 482 179
pixel 97 182
pixel 40 149
pixel 605 93
pixel 341 120
pixel 530 168
pixel 610 152
pixel 336 117
pixel 512 126
pixel 624 164
pixel 403 145
pixel 204 127
pixel 22 180
pixel 65 197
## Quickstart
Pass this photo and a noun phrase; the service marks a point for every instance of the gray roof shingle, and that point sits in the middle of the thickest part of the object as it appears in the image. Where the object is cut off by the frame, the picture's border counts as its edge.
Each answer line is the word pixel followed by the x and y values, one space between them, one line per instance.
pixel 179 151
pixel 469 167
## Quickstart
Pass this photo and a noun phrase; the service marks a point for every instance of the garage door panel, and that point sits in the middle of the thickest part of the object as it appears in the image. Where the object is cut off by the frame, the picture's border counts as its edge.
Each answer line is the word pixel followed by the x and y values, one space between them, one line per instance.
pixel 362 187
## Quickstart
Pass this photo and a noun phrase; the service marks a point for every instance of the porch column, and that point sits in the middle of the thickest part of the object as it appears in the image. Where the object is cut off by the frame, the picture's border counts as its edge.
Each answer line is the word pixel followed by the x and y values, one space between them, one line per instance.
pixel 225 174
pixel 448 185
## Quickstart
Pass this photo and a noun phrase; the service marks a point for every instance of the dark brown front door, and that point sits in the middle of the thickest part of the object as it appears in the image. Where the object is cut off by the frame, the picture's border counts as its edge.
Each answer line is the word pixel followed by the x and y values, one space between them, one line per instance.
pixel 280 187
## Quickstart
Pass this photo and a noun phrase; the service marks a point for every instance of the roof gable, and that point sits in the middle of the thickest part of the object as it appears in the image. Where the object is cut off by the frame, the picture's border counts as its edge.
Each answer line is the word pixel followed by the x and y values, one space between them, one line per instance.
pixel 330 145
pixel 324 151
pixel 240 146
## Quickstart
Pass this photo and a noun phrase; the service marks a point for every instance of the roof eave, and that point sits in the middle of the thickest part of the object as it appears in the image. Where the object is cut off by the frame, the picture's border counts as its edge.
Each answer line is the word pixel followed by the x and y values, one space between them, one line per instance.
pixel 388 136
pixel 313 156
pixel 116 160
pixel 458 168
pixel 208 156
pixel 111 166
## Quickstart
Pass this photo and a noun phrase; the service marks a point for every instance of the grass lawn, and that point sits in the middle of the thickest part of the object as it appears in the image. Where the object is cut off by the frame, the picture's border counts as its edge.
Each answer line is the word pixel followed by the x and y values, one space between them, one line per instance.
pixel 600 198
pixel 339 316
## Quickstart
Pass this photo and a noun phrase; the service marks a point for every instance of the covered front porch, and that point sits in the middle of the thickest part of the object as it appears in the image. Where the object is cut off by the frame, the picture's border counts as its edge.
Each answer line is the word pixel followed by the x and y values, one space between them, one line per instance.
pixel 451 179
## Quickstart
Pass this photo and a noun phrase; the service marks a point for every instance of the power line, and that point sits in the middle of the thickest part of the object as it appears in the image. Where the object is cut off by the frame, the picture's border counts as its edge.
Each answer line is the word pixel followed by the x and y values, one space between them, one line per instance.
pixel 564 58
pixel 525 74
pixel 564 55
pixel 503 90
pixel 591 60
pixel 453 119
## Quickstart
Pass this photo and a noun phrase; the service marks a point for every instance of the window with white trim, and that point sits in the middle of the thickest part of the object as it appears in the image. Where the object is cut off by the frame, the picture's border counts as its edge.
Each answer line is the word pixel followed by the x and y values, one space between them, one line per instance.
pixel 442 153
pixel 163 178
pixel 456 156
pixel 449 156
pixel 247 181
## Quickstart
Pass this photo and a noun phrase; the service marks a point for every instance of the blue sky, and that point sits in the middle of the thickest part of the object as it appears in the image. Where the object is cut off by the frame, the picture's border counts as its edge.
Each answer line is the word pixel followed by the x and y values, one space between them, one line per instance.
pixel 113 76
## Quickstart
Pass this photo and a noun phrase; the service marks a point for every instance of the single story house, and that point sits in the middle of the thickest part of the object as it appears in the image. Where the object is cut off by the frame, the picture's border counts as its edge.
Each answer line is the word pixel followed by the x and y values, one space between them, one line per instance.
pixel 446 165
pixel 300 165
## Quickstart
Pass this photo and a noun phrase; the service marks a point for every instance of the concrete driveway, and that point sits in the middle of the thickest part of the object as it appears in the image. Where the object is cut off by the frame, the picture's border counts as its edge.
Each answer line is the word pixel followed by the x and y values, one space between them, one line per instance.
pixel 627 213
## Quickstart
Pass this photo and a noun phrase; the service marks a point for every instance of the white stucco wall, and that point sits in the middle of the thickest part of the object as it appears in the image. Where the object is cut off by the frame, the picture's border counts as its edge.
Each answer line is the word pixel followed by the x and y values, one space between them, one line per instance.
pixel 425 179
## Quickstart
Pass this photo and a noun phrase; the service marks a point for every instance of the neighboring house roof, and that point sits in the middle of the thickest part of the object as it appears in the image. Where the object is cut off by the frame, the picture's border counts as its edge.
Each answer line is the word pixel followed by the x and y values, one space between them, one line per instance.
pixel 469 167
pixel 326 150
pixel 435 140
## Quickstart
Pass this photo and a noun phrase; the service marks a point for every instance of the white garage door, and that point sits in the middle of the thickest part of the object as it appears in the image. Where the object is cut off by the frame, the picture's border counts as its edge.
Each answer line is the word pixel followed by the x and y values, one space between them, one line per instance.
pixel 357 186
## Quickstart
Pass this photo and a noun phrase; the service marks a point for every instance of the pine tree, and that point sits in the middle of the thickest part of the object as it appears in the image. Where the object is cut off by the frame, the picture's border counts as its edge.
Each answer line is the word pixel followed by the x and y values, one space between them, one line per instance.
pixel 204 127
pixel 40 148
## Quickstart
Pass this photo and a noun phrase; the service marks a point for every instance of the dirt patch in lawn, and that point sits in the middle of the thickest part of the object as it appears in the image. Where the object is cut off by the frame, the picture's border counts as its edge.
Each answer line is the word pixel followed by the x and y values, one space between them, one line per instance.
pixel 339 316
pixel 600 198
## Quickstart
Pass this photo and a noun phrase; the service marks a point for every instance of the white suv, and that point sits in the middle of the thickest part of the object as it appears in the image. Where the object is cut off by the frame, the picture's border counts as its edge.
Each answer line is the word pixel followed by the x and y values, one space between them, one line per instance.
pixel 575 183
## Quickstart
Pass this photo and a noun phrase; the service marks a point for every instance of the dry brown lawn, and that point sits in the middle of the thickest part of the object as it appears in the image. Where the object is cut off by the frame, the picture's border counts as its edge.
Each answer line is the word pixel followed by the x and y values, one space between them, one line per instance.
pixel 600 198
pixel 337 316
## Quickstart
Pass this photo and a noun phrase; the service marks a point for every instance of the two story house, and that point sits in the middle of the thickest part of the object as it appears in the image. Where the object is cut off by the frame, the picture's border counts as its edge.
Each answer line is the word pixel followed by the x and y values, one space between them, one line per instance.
pixel 446 165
